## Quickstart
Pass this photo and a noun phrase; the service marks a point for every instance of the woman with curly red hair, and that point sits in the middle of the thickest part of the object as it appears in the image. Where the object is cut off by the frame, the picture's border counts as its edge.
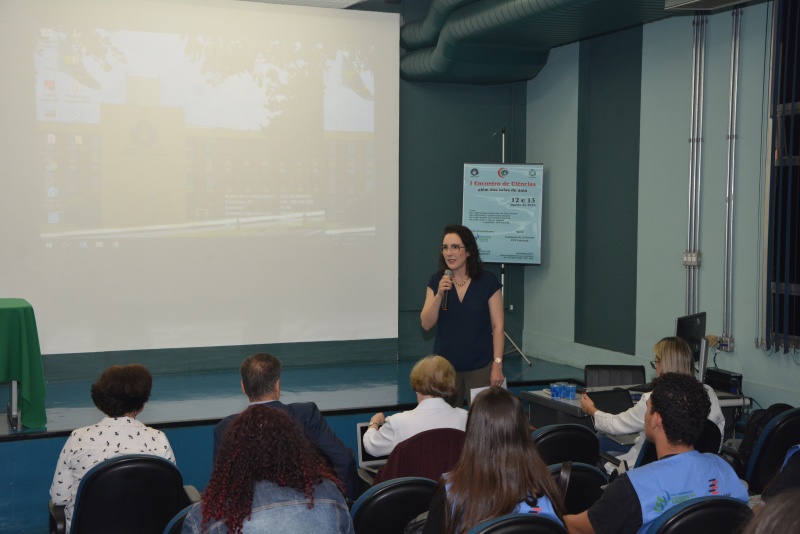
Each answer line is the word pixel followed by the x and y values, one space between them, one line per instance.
pixel 269 478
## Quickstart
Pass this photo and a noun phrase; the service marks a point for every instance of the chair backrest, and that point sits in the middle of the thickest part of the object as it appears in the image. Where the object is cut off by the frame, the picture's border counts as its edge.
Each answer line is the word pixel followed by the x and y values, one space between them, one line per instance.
pixel 777 437
pixel 137 494
pixel 428 454
pixel 176 524
pixel 387 507
pixel 567 442
pixel 518 524
pixel 647 454
pixel 613 375
pixel 584 485
pixel 710 438
pixel 709 515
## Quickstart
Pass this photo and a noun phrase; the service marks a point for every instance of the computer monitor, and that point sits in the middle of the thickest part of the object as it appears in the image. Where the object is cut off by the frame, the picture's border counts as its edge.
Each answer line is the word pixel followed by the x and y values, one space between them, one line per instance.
pixel 692 329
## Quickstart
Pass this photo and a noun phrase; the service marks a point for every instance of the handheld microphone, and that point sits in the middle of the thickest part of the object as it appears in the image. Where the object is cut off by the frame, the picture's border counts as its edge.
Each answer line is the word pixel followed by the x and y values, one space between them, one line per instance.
pixel 449 273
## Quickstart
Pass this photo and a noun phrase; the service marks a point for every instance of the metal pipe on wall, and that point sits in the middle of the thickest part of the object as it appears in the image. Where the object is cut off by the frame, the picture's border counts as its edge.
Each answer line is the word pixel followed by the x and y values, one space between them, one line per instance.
pixel 727 318
pixel 692 256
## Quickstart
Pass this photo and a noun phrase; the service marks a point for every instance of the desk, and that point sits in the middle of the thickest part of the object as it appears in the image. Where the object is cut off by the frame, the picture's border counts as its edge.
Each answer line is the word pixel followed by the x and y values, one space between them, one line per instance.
pixel 21 363
pixel 546 411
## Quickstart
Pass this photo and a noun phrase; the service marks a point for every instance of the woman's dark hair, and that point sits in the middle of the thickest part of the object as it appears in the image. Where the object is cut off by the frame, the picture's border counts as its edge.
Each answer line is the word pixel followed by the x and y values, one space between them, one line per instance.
pixel 499 465
pixel 474 263
pixel 122 389
pixel 261 444
pixel 780 514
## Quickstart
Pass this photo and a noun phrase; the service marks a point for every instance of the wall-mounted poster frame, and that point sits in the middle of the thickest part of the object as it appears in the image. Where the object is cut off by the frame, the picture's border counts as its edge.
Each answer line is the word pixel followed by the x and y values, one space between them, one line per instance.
pixel 503 208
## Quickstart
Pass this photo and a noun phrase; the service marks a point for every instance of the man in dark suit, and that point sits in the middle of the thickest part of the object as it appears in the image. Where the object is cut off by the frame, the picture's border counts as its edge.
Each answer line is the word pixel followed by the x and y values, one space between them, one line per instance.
pixel 261 382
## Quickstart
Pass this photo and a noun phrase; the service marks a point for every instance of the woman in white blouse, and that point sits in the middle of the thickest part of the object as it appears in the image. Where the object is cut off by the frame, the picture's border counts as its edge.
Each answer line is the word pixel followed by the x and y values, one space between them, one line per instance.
pixel 672 355
pixel 433 378
pixel 120 393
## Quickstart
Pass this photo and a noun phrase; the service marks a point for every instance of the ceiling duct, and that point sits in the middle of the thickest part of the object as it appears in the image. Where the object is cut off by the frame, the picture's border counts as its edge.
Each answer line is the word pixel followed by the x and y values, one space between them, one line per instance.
pixel 499 41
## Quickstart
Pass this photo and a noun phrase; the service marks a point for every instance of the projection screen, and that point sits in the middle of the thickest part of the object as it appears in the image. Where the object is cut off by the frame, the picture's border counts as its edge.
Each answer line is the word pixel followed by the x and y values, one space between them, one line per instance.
pixel 198 173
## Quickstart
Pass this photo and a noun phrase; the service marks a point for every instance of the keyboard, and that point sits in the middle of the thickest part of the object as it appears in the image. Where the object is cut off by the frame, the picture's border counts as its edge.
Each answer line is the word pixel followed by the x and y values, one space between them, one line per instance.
pixel 642 388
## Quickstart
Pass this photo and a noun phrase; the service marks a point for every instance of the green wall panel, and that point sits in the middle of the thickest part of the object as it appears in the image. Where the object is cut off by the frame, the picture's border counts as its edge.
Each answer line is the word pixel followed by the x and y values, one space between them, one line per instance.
pixel 607 190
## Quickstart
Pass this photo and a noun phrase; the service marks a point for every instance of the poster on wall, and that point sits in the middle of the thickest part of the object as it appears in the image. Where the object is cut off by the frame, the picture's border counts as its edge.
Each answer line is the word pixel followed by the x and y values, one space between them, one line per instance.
pixel 503 208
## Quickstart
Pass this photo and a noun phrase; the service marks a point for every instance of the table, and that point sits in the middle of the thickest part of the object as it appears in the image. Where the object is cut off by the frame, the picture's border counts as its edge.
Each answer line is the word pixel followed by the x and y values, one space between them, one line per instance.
pixel 546 411
pixel 21 363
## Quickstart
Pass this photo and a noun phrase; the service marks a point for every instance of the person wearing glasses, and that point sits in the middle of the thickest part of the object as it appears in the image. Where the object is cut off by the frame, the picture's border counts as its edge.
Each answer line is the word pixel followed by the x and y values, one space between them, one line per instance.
pixel 465 304
pixel 672 355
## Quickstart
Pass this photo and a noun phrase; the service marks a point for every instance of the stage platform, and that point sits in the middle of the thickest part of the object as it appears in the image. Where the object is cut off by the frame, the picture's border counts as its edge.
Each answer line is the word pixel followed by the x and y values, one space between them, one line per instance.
pixel 187 406
pixel 205 398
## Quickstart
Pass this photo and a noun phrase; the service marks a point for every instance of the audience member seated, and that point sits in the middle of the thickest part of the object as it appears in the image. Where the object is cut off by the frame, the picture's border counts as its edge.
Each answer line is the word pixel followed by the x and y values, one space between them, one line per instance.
pixel 499 472
pixel 269 478
pixel 780 514
pixel 676 410
pixel 120 393
pixel 672 355
pixel 433 378
pixel 261 382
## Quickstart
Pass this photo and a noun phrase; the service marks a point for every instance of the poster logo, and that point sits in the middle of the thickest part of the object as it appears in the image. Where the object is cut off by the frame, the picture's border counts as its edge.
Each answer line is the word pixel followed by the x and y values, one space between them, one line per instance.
pixel 502 172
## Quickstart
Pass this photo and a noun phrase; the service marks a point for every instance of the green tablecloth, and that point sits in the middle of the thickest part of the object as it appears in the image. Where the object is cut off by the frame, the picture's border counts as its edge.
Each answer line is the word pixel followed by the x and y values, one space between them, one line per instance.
pixel 21 359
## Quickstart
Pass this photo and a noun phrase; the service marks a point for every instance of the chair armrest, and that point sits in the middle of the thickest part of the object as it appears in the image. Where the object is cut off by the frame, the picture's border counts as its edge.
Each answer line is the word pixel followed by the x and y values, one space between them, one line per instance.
pixel 192 494
pixel 58 520
pixel 366 477
pixel 609 458
pixel 731 451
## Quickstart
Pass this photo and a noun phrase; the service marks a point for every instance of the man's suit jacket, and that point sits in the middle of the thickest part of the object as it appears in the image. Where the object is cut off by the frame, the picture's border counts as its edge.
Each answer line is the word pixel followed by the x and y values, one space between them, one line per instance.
pixel 316 429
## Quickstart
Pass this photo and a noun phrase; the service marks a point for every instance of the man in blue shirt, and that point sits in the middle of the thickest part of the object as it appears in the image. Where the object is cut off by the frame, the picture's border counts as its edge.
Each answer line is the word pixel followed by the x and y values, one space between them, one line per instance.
pixel 261 382
pixel 676 413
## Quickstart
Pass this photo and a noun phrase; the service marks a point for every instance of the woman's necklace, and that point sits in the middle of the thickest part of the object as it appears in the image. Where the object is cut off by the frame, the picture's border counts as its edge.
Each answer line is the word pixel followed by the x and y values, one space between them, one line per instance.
pixel 462 284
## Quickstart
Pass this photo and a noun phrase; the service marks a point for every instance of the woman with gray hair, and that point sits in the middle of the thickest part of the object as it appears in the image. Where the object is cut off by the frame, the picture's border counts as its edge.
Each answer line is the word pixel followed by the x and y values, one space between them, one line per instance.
pixel 433 378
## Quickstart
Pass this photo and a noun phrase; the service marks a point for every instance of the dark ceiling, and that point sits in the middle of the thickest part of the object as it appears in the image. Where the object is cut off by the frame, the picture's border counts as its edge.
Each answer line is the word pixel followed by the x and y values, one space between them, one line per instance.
pixel 500 41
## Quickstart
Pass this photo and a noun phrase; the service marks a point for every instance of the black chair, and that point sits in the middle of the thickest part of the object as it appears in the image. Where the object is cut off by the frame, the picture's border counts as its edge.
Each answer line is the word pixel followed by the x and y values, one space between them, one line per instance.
pixel 518 524
pixel 176 525
pixel 781 433
pixel 136 494
pixel 567 442
pixel 582 484
pixel 710 438
pixel 613 375
pixel 388 506
pixel 709 515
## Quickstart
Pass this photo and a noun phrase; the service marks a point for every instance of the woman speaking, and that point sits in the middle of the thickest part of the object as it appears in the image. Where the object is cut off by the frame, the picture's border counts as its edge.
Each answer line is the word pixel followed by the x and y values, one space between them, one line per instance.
pixel 466 305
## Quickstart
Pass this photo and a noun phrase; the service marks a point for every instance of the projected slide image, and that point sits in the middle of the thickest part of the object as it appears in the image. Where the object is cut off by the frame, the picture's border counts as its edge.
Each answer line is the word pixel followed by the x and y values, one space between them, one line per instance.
pixel 149 134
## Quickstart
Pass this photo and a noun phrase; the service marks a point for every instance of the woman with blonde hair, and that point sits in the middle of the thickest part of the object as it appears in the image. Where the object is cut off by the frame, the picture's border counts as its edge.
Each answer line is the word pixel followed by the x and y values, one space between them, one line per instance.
pixel 672 355
pixel 499 472
pixel 433 378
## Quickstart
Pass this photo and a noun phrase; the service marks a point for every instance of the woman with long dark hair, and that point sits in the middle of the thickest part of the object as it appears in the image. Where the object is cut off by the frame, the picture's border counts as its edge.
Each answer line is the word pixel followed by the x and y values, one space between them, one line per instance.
pixel 499 472
pixel 465 304
pixel 269 478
